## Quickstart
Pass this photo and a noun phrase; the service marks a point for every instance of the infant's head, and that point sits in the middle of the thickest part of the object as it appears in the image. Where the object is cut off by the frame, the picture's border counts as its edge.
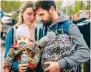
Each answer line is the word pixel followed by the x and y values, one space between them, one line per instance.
pixel 22 35
pixel 44 40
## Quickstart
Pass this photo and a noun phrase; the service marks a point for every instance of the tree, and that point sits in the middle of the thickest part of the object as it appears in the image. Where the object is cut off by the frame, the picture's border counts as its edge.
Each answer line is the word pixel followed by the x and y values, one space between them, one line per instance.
pixel 58 5
pixel 8 6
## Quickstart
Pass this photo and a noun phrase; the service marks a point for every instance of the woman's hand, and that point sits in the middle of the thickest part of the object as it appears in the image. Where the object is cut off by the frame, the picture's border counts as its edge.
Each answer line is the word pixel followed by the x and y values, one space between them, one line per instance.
pixel 22 67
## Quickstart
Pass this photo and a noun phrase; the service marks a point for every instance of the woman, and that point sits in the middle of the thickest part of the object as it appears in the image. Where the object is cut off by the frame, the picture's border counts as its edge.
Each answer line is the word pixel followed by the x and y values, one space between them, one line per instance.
pixel 26 16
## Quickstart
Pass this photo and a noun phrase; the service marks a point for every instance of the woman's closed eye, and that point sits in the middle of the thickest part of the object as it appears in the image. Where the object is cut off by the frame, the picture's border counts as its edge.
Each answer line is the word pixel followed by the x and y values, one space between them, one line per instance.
pixel 29 14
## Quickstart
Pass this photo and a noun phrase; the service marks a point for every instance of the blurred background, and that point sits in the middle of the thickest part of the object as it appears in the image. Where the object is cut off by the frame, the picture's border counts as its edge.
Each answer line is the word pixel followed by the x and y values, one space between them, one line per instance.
pixel 78 11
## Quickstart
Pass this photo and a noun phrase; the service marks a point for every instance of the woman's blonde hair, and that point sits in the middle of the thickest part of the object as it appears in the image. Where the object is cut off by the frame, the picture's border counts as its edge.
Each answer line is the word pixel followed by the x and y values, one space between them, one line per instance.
pixel 24 6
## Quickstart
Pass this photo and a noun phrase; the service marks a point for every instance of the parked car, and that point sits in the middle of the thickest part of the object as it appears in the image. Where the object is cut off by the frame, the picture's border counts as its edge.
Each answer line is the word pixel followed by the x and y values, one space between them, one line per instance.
pixel 7 23
pixel 6 19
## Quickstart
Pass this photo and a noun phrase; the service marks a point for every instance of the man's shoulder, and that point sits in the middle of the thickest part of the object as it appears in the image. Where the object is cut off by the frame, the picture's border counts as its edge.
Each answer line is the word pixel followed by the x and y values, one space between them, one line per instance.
pixel 65 25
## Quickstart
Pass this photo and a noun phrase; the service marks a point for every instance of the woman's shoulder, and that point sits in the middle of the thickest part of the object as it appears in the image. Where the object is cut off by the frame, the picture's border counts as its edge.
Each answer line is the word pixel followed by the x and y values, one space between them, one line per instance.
pixel 11 30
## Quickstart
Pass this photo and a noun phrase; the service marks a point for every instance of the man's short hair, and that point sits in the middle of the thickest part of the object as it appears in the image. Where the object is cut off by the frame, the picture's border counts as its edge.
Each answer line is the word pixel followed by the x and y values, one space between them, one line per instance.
pixel 44 4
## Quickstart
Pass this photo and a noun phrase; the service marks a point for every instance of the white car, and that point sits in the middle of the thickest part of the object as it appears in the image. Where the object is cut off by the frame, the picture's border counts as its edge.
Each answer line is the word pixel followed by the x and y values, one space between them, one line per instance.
pixel 6 19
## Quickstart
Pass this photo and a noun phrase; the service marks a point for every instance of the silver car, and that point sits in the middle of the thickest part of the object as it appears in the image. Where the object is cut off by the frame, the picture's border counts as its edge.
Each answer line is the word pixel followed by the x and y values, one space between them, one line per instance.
pixel 6 21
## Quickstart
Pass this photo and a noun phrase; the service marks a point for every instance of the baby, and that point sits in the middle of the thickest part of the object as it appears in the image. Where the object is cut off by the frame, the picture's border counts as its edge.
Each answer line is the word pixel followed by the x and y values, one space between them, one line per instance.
pixel 23 47
pixel 55 46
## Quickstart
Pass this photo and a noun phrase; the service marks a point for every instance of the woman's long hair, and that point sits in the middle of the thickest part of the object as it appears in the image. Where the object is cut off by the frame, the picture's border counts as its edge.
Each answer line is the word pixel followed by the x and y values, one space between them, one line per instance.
pixel 24 6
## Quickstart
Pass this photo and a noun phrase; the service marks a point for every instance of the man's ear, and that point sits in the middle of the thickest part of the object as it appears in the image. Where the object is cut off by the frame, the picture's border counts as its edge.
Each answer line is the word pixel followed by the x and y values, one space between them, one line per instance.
pixel 52 9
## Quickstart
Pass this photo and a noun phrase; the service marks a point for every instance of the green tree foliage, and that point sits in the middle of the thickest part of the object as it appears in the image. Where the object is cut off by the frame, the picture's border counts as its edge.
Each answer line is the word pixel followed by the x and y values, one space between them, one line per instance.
pixel 8 6
pixel 58 5
pixel 88 5
pixel 73 9
pixel 78 6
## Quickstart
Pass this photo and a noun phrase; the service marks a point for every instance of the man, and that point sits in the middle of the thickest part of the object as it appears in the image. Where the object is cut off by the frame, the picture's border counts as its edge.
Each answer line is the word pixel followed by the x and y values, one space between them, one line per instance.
pixel 46 10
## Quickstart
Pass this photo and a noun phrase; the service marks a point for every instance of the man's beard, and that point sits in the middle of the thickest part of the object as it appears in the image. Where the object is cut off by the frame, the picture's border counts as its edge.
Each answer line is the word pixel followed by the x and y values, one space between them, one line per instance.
pixel 48 22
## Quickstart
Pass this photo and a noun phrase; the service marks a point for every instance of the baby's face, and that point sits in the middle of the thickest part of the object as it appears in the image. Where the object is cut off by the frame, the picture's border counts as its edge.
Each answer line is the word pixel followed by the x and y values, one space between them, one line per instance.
pixel 23 40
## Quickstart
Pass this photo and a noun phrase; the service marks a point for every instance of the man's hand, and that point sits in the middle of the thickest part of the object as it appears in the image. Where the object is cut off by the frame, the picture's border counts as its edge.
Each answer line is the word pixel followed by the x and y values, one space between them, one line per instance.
pixel 53 67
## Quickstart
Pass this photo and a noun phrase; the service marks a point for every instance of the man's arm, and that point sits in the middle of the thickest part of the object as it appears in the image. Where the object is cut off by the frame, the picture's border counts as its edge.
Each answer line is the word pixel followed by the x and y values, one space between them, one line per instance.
pixel 82 52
